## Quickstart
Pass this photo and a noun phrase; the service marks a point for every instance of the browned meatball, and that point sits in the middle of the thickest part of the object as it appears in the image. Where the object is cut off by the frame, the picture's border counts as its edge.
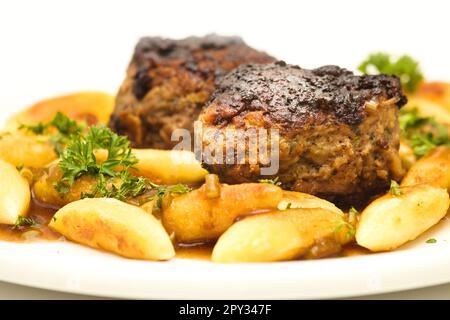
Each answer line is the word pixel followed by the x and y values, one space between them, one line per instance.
pixel 168 81
pixel 339 133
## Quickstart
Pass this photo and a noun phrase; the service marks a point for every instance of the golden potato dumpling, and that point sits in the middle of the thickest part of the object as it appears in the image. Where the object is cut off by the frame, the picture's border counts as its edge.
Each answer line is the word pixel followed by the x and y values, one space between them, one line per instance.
pixel 278 235
pixel 26 150
pixel 293 200
pixel 14 194
pixel 45 191
pixel 92 107
pixel 432 99
pixel 165 166
pixel 392 220
pixel 432 169
pixel 114 226
pixel 194 217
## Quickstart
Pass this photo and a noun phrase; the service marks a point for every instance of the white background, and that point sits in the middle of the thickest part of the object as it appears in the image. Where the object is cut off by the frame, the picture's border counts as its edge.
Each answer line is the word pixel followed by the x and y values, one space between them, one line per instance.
pixel 52 47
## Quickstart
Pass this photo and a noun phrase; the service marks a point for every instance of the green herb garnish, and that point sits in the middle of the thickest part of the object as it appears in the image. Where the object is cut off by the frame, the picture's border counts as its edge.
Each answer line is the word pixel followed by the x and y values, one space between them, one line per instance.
pixel 38 128
pixel 78 149
pixel 24 222
pixel 79 157
pixel 395 188
pixel 351 230
pixel 66 128
pixel 162 191
pixel 289 205
pixel 65 125
pixel 422 133
pixel 432 240
pixel 113 176
pixel 405 67
pixel 122 188
pixel 353 216
pixel 275 182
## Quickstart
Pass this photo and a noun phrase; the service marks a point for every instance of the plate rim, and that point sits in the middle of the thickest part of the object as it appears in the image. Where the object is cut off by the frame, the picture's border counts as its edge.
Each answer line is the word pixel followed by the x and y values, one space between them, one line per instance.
pixel 171 280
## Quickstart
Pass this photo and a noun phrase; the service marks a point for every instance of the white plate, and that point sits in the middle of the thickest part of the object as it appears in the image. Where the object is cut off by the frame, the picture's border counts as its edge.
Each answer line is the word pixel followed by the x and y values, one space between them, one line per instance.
pixel 69 267
pixel 72 268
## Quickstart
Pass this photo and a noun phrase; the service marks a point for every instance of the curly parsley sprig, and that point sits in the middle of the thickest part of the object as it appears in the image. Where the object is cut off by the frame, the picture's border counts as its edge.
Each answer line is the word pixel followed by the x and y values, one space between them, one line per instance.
pixel 77 150
pixel 79 158
pixel 162 191
pixel 24 222
pixel 422 133
pixel 65 128
pixel 405 67
pixel 114 179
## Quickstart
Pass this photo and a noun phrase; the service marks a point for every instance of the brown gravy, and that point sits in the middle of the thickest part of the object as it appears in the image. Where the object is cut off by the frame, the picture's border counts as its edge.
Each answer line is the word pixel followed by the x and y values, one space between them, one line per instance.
pixel 197 251
pixel 41 232
pixel 42 216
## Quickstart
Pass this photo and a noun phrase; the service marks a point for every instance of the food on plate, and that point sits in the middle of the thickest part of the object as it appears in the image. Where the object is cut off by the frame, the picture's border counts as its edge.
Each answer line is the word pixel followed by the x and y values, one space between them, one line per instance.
pixel 342 143
pixel 401 216
pixel 114 226
pixel 90 107
pixel 432 99
pixel 282 235
pixel 435 91
pixel 433 169
pixel 294 200
pixel 422 134
pixel 339 133
pixel 99 163
pixel 14 194
pixel 169 166
pixel 46 190
pixel 196 216
pixel 26 150
pixel 168 81
pixel 406 155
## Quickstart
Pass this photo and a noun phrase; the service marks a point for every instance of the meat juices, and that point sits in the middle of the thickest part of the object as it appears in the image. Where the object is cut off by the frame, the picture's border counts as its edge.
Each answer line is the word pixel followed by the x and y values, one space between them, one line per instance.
pixel 168 81
pixel 339 133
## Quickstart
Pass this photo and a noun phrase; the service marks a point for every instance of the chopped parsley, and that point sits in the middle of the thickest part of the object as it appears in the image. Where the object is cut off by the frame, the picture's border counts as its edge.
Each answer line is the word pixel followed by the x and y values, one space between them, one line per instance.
pixel 78 158
pixel 65 127
pixel 38 128
pixel 289 205
pixel 162 191
pixel 422 133
pixel 24 222
pixel 350 229
pixel 405 67
pixel 353 211
pixel 77 150
pixel 122 188
pixel 432 240
pixel 275 182
pixel 395 188
pixel 353 216
pixel 114 179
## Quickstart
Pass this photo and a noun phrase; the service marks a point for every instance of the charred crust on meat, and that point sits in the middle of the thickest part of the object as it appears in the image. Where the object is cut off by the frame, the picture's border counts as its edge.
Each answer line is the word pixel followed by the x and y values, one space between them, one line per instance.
pixel 291 95
pixel 142 83
pixel 168 81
